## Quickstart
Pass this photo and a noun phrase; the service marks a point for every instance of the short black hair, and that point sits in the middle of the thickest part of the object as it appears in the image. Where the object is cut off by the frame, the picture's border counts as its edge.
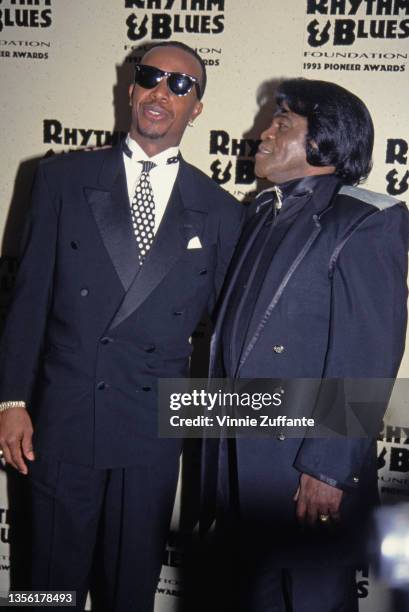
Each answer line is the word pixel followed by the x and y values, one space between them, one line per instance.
pixel 192 52
pixel 340 128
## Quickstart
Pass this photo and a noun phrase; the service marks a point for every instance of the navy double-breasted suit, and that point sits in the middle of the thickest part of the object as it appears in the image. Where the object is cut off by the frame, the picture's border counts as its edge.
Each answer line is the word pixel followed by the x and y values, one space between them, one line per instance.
pixel 331 303
pixel 89 333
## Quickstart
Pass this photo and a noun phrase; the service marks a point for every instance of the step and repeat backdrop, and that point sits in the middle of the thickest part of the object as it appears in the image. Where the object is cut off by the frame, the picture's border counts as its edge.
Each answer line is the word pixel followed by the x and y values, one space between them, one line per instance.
pixel 66 67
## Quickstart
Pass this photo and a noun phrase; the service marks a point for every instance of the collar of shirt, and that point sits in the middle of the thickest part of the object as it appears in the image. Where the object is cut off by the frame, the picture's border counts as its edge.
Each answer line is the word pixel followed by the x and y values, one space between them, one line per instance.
pixel 160 159
pixel 290 194
pixel 162 177
pixel 300 186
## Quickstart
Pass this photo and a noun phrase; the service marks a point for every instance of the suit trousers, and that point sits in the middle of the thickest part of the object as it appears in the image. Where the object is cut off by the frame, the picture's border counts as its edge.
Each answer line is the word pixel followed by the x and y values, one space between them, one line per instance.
pixel 124 513
pixel 301 589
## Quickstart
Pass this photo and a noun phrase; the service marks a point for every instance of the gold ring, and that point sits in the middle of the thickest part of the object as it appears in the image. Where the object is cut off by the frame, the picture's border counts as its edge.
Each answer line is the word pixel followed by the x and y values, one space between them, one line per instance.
pixel 324 518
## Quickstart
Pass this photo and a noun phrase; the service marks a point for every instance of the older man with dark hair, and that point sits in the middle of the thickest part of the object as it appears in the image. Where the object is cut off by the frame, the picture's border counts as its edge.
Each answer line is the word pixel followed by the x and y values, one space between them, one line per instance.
pixel 317 290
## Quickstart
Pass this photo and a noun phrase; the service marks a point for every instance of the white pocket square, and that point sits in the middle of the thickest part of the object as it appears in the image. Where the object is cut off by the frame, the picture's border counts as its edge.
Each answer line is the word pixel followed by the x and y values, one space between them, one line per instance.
pixel 194 243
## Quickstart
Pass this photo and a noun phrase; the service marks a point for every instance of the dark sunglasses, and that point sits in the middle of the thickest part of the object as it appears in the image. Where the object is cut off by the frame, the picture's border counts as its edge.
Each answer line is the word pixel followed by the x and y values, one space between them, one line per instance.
pixel 178 83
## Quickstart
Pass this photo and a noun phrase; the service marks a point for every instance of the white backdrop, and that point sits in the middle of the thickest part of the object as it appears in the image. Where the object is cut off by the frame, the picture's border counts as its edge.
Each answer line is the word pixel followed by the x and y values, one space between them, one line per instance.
pixel 65 70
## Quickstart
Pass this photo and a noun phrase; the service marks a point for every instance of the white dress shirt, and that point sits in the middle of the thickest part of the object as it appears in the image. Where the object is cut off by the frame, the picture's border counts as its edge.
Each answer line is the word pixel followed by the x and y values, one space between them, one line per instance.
pixel 162 177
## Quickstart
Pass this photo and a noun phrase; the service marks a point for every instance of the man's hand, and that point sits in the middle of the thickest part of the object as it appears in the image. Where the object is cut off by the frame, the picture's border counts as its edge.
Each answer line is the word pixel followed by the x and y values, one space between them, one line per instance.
pixel 317 499
pixel 16 432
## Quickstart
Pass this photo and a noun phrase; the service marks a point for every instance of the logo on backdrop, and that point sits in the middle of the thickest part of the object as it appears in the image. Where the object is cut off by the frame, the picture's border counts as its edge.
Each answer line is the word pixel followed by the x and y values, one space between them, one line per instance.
pixel 4 525
pixel 25 14
pixel 362 582
pixel 169 586
pixel 24 49
pixel 165 19
pixel 344 22
pixel 54 132
pixel 393 462
pixel 234 158
pixel 211 56
pixel 169 581
pixel 397 178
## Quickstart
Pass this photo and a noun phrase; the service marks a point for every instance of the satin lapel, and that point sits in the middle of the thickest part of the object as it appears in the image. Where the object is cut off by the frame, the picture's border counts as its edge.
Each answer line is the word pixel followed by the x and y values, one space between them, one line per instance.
pixel 110 206
pixel 279 233
pixel 292 249
pixel 249 235
pixel 183 219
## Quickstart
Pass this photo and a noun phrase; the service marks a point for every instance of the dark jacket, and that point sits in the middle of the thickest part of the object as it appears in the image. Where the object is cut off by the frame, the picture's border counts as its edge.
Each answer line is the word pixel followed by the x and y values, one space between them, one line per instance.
pixel 332 305
pixel 88 333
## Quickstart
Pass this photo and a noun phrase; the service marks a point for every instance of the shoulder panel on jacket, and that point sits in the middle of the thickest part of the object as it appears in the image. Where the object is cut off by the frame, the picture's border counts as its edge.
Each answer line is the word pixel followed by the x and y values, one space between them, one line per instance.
pixel 203 185
pixel 77 159
pixel 379 200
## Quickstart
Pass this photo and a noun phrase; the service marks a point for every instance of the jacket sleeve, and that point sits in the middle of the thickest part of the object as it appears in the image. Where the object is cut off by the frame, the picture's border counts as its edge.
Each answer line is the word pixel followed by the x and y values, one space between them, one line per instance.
pixel 232 217
pixel 23 334
pixel 367 333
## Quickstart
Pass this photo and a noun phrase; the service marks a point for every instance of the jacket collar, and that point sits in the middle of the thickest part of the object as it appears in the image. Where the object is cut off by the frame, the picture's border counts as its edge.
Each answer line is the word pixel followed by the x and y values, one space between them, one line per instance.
pixel 318 189
pixel 113 166
pixel 184 218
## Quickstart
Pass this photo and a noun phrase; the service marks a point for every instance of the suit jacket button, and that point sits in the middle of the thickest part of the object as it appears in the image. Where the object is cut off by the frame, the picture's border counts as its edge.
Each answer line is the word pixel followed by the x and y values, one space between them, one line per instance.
pixel 281 437
pixel 101 385
pixel 278 348
pixel 106 340
pixel 355 479
pixel 146 388
pixel 150 349
pixel 74 245
pixel 84 292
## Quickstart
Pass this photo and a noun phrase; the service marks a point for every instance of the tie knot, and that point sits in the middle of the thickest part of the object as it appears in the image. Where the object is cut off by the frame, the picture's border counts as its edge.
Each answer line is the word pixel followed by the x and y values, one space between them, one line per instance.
pixel 147 166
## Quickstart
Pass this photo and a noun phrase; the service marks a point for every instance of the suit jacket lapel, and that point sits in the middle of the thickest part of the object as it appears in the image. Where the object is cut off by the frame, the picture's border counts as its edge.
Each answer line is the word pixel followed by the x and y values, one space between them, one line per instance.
pixel 109 204
pixel 249 235
pixel 255 282
pixel 293 248
pixel 183 219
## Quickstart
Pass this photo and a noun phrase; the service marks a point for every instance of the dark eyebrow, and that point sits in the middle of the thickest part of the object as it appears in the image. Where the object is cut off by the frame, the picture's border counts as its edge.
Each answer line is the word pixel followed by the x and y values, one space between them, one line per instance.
pixel 282 112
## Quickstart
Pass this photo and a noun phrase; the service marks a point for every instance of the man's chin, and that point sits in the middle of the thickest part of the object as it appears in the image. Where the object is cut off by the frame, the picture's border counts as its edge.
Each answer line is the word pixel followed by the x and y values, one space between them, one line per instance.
pixel 259 172
pixel 150 134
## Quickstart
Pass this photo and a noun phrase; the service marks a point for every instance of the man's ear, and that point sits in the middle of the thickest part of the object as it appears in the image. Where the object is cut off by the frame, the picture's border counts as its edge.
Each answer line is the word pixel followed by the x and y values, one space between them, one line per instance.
pixel 130 92
pixel 196 110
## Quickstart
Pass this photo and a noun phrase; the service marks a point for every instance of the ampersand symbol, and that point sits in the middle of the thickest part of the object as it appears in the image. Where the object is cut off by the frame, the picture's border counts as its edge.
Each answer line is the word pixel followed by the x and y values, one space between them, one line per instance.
pixel 396 187
pixel 136 32
pixel 318 37
pixel 217 174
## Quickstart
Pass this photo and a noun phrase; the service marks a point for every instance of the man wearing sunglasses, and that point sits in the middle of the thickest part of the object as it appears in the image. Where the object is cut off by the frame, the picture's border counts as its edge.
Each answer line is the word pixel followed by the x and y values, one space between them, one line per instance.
pixel 126 249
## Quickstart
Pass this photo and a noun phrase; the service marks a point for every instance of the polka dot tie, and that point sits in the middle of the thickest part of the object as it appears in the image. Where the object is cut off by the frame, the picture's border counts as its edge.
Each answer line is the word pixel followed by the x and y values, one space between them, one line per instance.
pixel 143 211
